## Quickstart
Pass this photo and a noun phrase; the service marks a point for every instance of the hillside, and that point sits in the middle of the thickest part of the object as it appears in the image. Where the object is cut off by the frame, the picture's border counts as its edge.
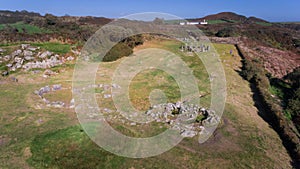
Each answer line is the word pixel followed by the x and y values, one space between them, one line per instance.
pixel 39 126
pixel 40 136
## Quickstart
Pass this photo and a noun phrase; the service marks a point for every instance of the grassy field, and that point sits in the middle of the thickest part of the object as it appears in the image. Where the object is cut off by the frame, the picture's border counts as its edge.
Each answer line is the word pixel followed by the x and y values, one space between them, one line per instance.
pixel 54 47
pixel 216 21
pixel 21 27
pixel 35 136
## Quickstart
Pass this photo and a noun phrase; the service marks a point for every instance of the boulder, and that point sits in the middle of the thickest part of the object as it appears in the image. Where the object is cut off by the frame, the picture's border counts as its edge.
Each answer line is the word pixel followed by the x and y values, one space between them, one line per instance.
pixel 33 48
pixel 133 124
pixel 72 104
pixel 106 96
pixel 49 72
pixel 45 54
pixel 27 53
pixel 24 46
pixel 7 58
pixel 5 73
pixel 116 86
pixel 56 87
pixel 70 58
pixel 57 104
pixel 188 133
pixel 28 58
pixel 18 65
pixel 18 59
pixel 17 53
pixel 44 90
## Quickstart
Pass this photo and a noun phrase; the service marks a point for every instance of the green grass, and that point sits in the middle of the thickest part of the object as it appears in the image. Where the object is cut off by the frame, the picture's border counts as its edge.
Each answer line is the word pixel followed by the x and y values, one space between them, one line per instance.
pixel 264 23
pixel 216 21
pixel 2 26
pixel 70 148
pixel 54 47
pixel 60 143
pixel 146 81
pixel 276 91
pixel 21 27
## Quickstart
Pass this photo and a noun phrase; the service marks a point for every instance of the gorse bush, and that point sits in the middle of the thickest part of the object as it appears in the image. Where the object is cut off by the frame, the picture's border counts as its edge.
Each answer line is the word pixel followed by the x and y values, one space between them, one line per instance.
pixel 123 48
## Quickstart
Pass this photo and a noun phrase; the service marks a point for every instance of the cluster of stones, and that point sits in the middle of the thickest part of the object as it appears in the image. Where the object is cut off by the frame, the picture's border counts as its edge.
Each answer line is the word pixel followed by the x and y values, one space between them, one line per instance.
pixel 189 119
pixel 105 87
pixel 193 46
pixel 28 57
pixel 48 89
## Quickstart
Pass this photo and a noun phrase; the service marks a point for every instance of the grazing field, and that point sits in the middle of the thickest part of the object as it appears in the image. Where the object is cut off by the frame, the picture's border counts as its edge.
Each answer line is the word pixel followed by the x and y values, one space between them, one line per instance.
pixel 33 135
pixel 24 28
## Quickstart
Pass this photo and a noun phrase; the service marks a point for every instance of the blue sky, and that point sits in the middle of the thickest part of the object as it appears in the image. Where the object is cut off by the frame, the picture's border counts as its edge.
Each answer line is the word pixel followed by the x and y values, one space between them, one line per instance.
pixel 271 10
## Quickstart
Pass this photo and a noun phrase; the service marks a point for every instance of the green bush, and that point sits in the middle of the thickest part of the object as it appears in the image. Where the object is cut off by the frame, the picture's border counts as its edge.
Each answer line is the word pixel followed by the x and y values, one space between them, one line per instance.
pixel 118 51
pixel 200 118
pixel 123 48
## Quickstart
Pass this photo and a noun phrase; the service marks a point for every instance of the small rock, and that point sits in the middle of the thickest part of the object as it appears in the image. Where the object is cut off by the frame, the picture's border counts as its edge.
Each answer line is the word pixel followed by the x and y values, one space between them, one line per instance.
pixel 56 87
pixel 106 96
pixel 28 58
pixel 133 124
pixel 7 58
pixel 72 104
pixel 5 73
pixel 70 58
pixel 45 54
pixel 24 46
pixel 27 53
pixel 32 48
pixel 16 53
pixel 188 133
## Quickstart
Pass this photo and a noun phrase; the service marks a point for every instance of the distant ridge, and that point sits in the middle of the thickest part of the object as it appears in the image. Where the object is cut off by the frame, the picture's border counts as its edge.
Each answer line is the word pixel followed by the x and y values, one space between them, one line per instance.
pixel 230 17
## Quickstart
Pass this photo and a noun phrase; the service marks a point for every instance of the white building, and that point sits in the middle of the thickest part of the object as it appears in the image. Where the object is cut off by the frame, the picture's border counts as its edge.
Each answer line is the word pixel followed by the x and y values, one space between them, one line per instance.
pixel 193 23
pixel 203 23
pixel 189 23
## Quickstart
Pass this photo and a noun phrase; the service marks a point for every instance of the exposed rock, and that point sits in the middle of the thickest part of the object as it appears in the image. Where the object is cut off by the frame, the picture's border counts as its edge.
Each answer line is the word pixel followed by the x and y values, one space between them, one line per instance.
pixel 116 86
pixel 27 53
pixel 106 87
pixel 36 71
pixel 24 46
pixel 107 110
pixel 106 96
pixel 56 87
pixel 33 48
pixel 18 65
pixel 49 72
pixel 183 117
pixel 7 58
pixel 70 58
pixel 44 54
pixel 46 101
pixel 57 104
pixel 133 124
pixel 44 90
pixel 5 73
pixel 72 104
pixel 16 53
pixel 188 133
pixel 28 58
